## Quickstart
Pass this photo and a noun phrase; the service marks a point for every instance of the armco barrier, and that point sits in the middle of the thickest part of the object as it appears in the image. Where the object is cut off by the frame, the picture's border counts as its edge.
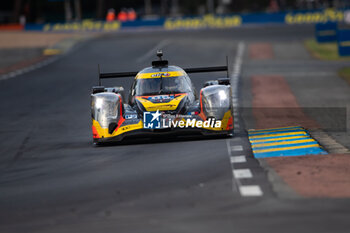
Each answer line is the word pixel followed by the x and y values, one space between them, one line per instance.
pixel 199 22
pixel 326 32
pixel 343 37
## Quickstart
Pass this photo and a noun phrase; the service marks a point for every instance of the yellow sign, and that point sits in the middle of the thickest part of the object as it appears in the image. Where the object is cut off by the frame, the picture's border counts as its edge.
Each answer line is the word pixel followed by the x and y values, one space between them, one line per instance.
pixel 328 15
pixel 345 43
pixel 85 25
pixel 208 21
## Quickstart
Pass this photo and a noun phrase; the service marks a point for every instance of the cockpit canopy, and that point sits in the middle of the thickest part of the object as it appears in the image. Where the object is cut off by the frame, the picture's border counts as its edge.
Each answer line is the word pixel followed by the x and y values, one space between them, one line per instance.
pixel 167 80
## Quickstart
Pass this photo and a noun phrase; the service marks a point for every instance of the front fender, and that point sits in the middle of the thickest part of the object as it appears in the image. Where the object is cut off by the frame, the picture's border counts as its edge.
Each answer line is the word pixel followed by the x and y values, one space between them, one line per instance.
pixel 106 109
pixel 215 101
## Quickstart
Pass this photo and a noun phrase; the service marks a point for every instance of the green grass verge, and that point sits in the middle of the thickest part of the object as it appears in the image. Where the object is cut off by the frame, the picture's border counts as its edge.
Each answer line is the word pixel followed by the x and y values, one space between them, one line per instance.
pixel 345 73
pixel 324 51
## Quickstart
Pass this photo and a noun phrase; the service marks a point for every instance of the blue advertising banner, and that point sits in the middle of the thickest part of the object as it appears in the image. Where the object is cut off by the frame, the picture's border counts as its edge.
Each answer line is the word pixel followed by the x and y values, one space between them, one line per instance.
pixel 143 23
pixel 326 32
pixel 343 42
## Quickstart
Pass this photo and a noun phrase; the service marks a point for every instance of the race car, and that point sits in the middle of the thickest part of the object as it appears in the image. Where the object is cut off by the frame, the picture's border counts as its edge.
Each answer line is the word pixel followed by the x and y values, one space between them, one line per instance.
pixel 162 101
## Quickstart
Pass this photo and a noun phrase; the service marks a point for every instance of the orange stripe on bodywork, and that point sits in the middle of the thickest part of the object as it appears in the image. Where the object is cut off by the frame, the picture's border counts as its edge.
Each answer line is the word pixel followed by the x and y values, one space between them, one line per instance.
pixel 94 132
pixel 229 123
pixel 121 119
pixel 201 114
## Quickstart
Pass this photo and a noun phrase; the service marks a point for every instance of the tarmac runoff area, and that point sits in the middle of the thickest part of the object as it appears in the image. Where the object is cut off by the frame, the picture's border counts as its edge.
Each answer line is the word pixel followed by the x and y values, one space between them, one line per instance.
pixel 53 180
pixel 289 149
pixel 27 51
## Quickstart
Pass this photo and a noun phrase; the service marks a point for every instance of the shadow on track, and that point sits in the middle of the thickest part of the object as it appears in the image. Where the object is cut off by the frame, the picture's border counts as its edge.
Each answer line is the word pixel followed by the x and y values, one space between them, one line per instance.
pixel 160 139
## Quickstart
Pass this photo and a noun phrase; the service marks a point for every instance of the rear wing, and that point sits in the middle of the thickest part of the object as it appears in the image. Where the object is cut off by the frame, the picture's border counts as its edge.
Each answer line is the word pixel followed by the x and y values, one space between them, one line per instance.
pixel 162 63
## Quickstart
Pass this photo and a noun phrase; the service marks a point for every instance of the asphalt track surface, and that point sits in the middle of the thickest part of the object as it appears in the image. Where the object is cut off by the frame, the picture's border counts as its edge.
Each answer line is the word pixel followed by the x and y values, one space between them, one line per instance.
pixel 52 179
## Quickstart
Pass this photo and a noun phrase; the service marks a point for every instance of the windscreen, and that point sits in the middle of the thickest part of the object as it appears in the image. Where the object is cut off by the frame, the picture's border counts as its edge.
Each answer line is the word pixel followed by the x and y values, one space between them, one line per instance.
pixel 165 85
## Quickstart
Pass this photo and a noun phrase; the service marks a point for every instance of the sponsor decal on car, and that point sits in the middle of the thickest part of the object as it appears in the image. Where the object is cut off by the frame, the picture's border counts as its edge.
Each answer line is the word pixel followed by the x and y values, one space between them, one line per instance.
pixel 151 120
pixel 160 98
pixel 155 120
pixel 160 74
pixel 130 116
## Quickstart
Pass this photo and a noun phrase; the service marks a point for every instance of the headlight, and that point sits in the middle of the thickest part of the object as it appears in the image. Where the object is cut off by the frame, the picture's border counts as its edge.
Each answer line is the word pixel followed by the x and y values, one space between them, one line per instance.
pixel 222 95
pixel 99 103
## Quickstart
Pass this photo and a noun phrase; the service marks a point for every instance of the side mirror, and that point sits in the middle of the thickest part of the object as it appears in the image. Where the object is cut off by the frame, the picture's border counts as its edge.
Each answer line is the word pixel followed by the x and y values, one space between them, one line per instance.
pixel 98 89
pixel 210 83
pixel 116 90
pixel 224 81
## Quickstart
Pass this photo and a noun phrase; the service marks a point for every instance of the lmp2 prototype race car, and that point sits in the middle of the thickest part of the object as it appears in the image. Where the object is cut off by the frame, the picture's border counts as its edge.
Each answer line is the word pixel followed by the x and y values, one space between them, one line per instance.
pixel 162 100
